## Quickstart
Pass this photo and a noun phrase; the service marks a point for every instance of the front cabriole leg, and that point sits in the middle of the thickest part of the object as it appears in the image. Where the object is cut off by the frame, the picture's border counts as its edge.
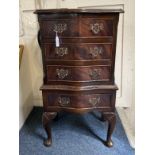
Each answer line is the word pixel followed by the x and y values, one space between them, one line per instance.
pixel 111 118
pixel 47 117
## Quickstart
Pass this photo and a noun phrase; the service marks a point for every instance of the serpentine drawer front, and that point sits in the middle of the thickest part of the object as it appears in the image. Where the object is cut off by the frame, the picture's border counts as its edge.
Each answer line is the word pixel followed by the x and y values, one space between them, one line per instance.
pixel 78 73
pixel 78 52
pixel 78 100
pixel 83 51
pixel 78 26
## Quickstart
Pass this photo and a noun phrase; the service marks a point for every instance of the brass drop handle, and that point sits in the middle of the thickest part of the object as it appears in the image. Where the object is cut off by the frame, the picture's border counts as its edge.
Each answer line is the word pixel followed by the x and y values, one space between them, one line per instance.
pixel 62 73
pixel 60 27
pixel 95 74
pixel 95 51
pixel 63 101
pixel 61 51
pixel 96 27
pixel 94 100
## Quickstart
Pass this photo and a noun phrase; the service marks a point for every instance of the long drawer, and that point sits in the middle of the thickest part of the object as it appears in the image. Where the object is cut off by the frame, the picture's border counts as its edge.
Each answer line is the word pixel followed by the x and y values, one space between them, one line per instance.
pixel 73 51
pixel 78 73
pixel 78 27
pixel 78 100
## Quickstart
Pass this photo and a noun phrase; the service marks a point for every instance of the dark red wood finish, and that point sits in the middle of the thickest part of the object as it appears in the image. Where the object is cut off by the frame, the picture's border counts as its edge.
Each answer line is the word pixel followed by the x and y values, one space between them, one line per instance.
pixel 71 26
pixel 79 100
pixel 105 22
pixel 79 74
pixel 78 52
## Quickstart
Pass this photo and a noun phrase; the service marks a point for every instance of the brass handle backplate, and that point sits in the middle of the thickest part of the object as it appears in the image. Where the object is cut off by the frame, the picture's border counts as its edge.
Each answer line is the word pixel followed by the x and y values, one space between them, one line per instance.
pixel 95 51
pixel 97 27
pixel 95 74
pixel 64 101
pixel 61 51
pixel 62 73
pixel 94 100
pixel 60 28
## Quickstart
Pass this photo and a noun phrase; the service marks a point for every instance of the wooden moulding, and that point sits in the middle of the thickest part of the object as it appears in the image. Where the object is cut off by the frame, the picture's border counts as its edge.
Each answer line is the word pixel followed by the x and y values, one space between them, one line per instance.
pixel 46 11
pixel 79 88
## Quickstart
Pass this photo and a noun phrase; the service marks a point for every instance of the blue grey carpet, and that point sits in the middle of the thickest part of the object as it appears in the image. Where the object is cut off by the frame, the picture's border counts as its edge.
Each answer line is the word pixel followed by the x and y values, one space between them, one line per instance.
pixel 72 135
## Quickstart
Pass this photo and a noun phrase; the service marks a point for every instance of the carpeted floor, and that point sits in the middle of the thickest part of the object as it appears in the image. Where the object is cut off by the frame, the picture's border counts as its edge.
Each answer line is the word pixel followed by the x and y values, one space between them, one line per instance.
pixel 72 135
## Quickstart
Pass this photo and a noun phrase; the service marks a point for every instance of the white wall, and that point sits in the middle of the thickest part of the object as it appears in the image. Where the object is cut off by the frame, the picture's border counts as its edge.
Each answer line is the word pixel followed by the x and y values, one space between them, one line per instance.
pixel 25 89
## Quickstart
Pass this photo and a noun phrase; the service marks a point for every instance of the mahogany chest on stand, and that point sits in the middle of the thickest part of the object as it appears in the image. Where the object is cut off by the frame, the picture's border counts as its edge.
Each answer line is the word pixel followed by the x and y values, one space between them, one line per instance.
pixel 78 51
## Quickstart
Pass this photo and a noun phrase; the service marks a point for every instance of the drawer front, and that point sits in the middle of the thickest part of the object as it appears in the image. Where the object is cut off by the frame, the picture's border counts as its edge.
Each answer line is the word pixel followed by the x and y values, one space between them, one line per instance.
pixel 63 27
pixel 90 51
pixel 96 27
pixel 78 73
pixel 79 101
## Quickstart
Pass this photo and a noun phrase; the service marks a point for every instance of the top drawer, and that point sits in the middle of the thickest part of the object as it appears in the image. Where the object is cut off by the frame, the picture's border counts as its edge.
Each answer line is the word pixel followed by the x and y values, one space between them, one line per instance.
pixel 96 27
pixel 81 26
pixel 63 27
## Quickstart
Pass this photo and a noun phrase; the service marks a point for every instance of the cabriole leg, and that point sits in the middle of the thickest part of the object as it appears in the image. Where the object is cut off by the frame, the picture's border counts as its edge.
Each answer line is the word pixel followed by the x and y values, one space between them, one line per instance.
pixel 47 117
pixel 111 118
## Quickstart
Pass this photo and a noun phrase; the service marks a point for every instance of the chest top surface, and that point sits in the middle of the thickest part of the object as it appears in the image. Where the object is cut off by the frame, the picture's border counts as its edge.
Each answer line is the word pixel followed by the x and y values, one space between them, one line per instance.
pixel 65 10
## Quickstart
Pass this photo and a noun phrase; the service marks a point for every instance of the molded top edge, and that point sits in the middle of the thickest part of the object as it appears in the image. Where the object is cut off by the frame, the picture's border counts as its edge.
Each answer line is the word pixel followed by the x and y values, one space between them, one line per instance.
pixel 51 11
pixel 79 88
